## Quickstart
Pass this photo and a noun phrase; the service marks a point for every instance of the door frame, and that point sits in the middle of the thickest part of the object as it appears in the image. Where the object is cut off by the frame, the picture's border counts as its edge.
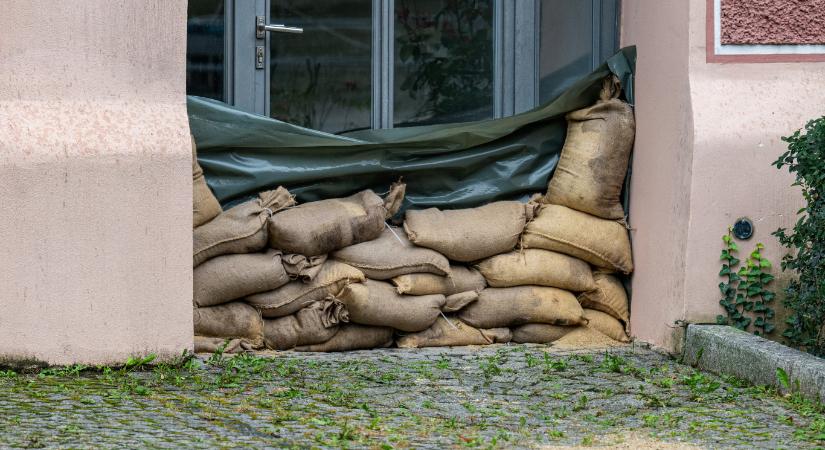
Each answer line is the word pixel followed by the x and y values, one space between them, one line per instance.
pixel 516 33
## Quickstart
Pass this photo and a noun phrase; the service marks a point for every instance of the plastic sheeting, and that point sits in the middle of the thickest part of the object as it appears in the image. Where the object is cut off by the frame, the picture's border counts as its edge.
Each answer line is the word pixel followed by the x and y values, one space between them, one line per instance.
pixel 453 165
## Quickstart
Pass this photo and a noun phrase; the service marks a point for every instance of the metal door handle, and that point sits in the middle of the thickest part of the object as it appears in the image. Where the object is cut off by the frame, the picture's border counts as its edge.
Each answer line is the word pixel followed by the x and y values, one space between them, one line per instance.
pixel 261 28
pixel 282 28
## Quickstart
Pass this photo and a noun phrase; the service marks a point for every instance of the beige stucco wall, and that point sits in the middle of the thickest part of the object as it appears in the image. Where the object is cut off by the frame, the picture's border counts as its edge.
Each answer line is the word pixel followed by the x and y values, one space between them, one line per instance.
pixel 707 134
pixel 95 190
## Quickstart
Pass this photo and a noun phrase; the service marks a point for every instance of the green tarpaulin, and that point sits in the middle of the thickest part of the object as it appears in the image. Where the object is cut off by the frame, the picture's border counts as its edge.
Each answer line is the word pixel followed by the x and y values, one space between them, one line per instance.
pixel 450 165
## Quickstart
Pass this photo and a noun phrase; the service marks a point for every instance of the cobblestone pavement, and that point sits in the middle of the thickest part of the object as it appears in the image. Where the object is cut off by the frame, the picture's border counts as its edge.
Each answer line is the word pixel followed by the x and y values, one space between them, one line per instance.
pixel 497 396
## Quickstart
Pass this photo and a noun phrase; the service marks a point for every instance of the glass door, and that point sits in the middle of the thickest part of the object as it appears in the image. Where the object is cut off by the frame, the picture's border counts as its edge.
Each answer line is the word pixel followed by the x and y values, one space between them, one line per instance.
pixel 322 78
pixel 362 64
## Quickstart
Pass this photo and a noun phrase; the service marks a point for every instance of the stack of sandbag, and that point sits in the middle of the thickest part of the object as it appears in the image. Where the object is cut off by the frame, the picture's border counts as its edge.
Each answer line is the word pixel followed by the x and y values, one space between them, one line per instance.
pixel 464 237
pixel 333 275
pixel 262 277
pixel 582 215
pixel 563 275
pixel 231 261
pixel 512 287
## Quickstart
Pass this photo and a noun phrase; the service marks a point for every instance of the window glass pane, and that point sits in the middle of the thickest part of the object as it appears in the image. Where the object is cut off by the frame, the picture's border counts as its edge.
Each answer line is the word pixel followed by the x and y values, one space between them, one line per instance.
pixel 566 45
pixel 321 79
pixel 205 49
pixel 443 61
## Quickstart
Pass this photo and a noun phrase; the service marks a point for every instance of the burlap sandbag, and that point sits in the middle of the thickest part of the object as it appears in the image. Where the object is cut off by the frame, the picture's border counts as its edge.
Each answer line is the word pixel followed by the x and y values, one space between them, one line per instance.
pixel 353 337
pixel 608 296
pixel 504 307
pixel 469 234
pixel 539 333
pixel 606 324
pixel 205 206
pixel 457 302
pixel 235 320
pixel 377 303
pixel 295 295
pixel 317 228
pixel 240 229
pixel 450 333
pixel 231 277
pixel 461 279
pixel 205 344
pixel 583 338
pixel 314 324
pixel 392 255
pixel 300 267
pixel 602 243
pixel 593 162
pixel 538 267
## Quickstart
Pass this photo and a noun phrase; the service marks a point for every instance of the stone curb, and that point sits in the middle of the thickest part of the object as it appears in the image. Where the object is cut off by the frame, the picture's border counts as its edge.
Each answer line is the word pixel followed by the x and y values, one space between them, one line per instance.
pixel 724 350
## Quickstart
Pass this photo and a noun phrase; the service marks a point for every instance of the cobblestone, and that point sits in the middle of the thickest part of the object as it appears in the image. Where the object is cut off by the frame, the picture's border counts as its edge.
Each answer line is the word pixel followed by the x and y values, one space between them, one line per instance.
pixel 508 396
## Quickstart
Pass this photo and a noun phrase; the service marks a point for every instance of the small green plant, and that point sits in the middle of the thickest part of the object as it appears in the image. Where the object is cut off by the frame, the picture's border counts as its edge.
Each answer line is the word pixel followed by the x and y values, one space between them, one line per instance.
pixel 138 362
pixel 554 365
pixel 783 378
pixel 805 295
pixel 745 297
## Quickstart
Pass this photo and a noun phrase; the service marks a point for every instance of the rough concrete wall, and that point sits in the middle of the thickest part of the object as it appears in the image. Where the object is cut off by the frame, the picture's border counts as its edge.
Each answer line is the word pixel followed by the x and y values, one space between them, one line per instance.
pixel 740 113
pixel 773 22
pixel 95 182
pixel 660 187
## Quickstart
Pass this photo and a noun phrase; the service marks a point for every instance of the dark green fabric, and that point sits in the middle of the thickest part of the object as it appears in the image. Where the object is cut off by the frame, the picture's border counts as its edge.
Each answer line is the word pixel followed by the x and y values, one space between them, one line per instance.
pixel 448 165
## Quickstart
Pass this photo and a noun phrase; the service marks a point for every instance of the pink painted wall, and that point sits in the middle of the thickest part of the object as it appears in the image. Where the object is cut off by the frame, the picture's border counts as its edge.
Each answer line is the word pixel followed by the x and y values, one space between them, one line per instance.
pixel 706 136
pixel 95 183
pixel 659 195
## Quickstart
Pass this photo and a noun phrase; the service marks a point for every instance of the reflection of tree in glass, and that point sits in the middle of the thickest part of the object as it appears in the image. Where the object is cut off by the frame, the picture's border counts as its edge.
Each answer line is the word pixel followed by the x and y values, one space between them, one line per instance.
pixel 309 97
pixel 449 56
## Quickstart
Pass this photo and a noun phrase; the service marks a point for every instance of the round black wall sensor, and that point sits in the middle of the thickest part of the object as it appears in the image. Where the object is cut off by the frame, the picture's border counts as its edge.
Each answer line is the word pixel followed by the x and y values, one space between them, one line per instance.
pixel 743 228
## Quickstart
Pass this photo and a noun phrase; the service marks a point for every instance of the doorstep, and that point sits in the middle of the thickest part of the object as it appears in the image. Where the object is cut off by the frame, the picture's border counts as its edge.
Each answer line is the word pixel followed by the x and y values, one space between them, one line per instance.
pixel 727 350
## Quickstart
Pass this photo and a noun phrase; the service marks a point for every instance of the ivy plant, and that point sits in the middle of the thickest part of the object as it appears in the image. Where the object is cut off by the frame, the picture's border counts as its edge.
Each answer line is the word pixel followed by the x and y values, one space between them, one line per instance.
pixel 745 297
pixel 805 294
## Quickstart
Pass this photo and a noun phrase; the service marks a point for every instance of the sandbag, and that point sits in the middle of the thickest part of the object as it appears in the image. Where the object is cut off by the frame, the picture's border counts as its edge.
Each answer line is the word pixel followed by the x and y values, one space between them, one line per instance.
pixel 300 267
pixel 314 324
pixel 603 243
pixel 582 338
pixel 450 332
pixel 469 234
pixel 461 279
pixel 504 307
pixel 608 296
pixel 594 159
pixel 395 198
pixel 205 206
pixel 377 303
pixel 457 302
pixel 540 333
pixel 231 277
pixel 235 320
pixel 205 344
pixel 317 228
pixel 295 295
pixel 240 229
pixel 392 255
pixel 538 267
pixel 353 337
pixel 605 324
